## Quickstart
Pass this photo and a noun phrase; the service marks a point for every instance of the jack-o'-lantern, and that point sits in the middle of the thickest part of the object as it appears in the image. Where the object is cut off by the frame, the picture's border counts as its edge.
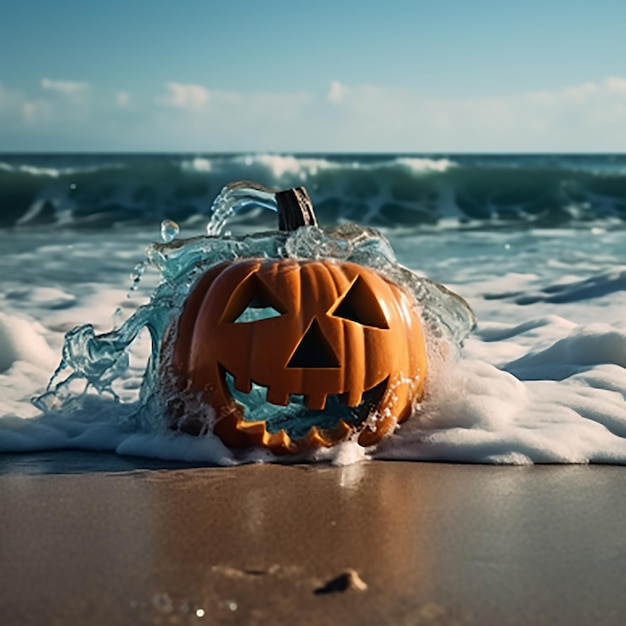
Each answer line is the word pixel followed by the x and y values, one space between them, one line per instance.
pixel 338 335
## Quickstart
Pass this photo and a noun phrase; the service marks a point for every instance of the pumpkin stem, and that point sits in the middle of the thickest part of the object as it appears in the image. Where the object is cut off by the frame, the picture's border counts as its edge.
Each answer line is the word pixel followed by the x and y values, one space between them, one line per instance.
pixel 295 209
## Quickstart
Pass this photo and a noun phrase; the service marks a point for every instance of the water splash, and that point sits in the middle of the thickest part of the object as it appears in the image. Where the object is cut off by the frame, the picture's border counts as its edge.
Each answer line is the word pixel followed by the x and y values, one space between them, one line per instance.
pixel 236 196
pixel 94 364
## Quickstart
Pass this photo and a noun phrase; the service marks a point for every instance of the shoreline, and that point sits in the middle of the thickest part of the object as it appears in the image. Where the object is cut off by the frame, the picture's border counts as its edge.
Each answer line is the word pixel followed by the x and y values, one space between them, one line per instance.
pixel 268 544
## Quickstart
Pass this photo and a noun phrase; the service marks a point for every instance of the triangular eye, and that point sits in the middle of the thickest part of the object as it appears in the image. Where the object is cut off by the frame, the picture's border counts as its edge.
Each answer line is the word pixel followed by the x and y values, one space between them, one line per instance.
pixel 314 350
pixel 361 305
pixel 252 301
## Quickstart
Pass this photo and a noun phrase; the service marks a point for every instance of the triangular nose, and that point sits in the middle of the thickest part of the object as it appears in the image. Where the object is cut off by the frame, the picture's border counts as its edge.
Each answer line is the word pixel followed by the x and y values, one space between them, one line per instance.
pixel 314 350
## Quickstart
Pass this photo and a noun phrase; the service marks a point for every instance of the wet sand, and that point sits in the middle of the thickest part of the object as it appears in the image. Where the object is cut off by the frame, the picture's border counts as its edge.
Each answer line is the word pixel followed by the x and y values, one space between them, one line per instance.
pixel 262 544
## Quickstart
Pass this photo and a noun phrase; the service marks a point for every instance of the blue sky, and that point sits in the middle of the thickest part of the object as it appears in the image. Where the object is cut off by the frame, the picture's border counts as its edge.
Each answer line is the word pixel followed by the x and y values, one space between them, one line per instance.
pixel 394 76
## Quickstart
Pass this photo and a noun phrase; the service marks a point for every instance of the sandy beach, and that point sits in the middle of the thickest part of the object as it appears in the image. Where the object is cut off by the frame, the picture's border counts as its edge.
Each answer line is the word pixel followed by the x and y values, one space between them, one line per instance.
pixel 371 543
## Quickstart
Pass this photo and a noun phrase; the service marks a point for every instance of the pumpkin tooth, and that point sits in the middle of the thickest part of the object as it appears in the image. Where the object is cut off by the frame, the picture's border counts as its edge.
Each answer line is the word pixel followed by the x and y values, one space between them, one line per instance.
pixel 253 428
pixel 277 396
pixel 279 442
pixel 343 428
pixel 356 397
pixel 350 398
pixel 314 439
pixel 315 402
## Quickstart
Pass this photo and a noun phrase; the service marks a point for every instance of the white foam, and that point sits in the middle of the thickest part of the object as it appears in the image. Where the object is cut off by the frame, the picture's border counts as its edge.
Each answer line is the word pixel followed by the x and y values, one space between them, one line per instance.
pixel 30 169
pixel 426 166
pixel 283 167
pixel 480 414
pixel 199 164
pixel 591 344
pixel 22 339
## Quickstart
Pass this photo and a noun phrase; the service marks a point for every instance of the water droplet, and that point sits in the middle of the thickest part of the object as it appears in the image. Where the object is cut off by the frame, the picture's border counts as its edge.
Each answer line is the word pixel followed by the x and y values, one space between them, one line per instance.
pixel 136 275
pixel 169 230
pixel 117 317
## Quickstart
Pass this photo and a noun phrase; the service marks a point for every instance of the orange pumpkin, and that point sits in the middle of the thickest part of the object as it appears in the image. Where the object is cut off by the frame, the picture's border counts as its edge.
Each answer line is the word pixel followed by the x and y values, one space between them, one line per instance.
pixel 335 329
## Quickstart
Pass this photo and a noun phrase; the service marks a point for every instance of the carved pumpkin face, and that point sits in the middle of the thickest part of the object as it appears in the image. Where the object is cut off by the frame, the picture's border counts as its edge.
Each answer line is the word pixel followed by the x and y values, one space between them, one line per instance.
pixel 338 334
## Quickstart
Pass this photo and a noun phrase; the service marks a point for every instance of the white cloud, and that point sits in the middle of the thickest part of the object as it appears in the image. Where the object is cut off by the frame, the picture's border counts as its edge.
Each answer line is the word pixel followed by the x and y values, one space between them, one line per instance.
pixel 580 93
pixel 185 96
pixel 336 92
pixel 584 117
pixel 616 85
pixel 7 98
pixel 122 98
pixel 342 117
pixel 20 110
pixel 64 87
pixel 36 111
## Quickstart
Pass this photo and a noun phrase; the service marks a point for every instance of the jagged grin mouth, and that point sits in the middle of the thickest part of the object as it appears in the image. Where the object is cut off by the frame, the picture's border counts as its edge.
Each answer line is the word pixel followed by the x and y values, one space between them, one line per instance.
pixel 295 418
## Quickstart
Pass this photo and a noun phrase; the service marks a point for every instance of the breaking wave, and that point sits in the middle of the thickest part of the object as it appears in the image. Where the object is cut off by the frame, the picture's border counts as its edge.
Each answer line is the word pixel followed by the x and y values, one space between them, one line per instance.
pixel 104 191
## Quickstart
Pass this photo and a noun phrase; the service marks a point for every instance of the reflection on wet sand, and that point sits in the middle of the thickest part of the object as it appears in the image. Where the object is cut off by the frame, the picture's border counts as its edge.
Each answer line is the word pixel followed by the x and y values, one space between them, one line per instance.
pixel 431 543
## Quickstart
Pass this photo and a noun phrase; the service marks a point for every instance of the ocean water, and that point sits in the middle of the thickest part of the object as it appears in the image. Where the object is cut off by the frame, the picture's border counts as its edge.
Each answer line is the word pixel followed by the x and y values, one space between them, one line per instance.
pixel 95 249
